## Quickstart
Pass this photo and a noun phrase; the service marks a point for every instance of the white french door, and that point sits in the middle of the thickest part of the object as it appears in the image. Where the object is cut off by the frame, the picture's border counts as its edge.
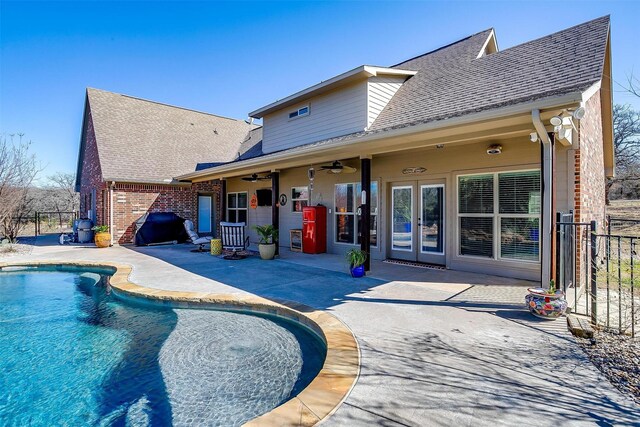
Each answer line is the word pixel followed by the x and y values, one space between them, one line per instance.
pixel 417 228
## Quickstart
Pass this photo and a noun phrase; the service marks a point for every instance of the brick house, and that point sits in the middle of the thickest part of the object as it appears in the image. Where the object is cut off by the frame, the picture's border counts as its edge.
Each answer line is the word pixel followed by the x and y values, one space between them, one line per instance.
pixel 131 150
pixel 459 157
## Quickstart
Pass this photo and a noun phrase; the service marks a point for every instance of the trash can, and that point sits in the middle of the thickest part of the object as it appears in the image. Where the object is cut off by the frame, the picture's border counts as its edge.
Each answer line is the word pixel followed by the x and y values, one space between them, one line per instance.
pixel 216 246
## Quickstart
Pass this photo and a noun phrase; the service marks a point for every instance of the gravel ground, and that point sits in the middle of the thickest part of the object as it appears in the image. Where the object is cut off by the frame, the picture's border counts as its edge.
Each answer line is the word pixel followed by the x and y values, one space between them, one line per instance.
pixel 618 357
pixel 8 250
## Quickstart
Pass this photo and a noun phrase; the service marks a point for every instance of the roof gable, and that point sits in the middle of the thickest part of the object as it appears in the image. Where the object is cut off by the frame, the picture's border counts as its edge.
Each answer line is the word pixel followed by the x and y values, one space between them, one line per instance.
pixel 145 141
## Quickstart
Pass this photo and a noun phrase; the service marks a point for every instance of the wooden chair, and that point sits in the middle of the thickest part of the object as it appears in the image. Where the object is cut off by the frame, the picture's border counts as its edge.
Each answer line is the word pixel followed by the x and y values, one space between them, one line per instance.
pixel 233 236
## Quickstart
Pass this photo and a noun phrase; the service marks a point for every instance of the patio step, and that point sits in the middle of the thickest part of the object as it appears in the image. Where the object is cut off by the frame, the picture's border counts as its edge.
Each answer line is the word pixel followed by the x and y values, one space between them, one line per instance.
pixel 579 326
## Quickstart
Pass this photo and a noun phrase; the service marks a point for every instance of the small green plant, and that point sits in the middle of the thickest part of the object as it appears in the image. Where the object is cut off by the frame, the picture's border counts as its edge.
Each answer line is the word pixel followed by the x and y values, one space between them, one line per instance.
pixel 101 228
pixel 356 257
pixel 268 234
pixel 552 287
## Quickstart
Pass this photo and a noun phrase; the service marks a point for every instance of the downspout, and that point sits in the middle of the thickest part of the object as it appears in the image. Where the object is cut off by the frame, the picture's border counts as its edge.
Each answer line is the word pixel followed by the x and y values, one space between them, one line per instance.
pixel 546 162
pixel 111 210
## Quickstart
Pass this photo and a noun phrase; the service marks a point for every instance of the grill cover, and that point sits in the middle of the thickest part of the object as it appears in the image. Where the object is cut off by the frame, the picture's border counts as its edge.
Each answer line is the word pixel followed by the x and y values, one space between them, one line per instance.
pixel 159 227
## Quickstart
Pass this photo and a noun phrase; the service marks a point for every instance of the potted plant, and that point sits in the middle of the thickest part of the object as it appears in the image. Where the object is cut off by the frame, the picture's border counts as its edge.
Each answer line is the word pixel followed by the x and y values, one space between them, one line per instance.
pixel 102 237
pixel 268 238
pixel 546 303
pixel 356 259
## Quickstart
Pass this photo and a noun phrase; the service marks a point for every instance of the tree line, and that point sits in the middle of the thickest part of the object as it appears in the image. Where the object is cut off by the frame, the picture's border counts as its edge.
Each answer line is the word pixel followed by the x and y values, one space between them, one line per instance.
pixel 20 197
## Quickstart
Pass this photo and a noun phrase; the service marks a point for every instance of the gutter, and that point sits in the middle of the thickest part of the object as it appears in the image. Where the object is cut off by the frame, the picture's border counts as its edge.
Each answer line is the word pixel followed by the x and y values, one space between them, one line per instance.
pixel 111 210
pixel 570 98
pixel 546 217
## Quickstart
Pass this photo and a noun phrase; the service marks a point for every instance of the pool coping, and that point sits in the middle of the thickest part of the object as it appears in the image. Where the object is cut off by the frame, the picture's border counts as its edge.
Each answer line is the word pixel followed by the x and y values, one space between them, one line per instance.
pixel 320 399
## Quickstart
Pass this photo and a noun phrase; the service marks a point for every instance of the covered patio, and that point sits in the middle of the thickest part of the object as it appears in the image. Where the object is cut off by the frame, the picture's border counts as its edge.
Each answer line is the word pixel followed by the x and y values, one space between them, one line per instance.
pixel 437 347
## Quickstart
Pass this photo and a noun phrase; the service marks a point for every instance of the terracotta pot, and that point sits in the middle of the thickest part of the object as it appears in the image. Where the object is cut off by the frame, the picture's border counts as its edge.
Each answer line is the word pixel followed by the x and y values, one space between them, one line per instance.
pixel 267 251
pixel 103 240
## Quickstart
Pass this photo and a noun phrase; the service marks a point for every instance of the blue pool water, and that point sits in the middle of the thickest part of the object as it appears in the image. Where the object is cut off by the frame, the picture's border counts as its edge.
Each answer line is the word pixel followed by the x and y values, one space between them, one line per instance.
pixel 70 354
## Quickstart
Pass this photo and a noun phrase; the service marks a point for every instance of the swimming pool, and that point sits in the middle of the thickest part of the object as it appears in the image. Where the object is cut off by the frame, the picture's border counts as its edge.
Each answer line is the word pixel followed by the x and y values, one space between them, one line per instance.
pixel 72 354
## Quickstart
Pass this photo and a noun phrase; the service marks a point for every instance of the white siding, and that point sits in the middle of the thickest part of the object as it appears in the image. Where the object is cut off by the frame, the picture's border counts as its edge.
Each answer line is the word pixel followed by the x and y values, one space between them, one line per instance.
pixel 380 92
pixel 337 113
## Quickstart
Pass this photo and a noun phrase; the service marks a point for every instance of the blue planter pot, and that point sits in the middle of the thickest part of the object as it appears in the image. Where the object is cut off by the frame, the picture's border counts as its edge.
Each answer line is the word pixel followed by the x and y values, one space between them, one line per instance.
pixel 357 271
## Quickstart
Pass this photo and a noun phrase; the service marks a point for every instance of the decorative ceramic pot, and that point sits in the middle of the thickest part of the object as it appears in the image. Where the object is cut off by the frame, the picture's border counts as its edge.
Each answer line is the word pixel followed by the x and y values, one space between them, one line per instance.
pixel 545 305
pixel 102 240
pixel 216 246
pixel 267 251
pixel 357 271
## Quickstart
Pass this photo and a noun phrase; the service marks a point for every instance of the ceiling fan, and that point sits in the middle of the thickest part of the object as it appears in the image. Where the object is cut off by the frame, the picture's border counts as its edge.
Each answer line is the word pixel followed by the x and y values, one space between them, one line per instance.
pixel 337 167
pixel 255 178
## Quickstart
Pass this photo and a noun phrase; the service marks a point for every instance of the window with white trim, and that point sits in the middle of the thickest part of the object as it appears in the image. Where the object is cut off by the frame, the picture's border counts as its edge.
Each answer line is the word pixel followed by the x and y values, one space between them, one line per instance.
pixel 347 198
pixel 300 112
pixel 299 198
pixel 237 207
pixel 499 215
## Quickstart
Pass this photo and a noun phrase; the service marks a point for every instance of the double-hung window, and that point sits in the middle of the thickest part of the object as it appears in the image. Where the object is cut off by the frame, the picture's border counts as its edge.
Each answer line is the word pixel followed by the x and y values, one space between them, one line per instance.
pixel 237 207
pixel 499 215
pixel 347 200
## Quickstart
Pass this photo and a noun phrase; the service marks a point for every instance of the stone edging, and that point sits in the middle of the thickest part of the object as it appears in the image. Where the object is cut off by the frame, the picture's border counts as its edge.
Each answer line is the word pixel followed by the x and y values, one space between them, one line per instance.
pixel 320 398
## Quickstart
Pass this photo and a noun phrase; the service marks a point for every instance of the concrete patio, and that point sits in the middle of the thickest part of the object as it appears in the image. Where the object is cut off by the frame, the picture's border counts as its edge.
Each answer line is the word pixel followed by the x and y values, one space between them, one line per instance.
pixel 437 347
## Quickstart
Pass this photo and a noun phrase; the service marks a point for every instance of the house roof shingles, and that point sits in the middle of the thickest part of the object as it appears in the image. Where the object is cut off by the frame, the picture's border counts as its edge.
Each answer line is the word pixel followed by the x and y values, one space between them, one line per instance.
pixel 452 82
pixel 145 141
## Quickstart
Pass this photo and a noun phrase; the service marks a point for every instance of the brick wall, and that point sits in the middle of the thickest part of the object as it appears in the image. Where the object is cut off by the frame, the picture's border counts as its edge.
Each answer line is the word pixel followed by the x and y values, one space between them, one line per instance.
pixel 91 177
pixel 590 178
pixel 131 201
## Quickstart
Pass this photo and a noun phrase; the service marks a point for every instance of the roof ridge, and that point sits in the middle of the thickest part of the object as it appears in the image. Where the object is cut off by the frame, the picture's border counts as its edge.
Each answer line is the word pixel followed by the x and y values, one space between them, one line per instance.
pixel 443 47
pixel 608 18
pixel 165 104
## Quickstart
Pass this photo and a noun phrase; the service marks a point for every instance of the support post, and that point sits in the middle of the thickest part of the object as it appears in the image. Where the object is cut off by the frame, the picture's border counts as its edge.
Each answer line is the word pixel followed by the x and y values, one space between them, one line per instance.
pixel 594 274
pixel 546 232
pixel 223 199
pixel 558 249
pixel 365 217
pixel 275 207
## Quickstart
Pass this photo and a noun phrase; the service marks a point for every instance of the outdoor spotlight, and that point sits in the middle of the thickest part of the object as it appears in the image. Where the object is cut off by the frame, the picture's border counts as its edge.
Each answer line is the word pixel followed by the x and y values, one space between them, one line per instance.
pixel 556 120
pixel 579 113
pixel 533 136
pixel 494 149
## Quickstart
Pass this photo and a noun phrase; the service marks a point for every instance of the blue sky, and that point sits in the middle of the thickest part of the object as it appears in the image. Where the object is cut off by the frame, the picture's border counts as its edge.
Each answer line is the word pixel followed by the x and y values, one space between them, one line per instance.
pixel 231 58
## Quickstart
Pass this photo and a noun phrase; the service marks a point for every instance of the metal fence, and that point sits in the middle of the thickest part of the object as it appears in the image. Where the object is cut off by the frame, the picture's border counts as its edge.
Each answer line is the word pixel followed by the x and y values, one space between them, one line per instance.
pixel 623 226
pixel 54 222
pixel 600 272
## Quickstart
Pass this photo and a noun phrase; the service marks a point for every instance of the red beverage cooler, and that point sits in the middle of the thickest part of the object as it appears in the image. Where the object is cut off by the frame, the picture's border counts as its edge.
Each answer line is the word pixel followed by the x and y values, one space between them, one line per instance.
pixel 314 229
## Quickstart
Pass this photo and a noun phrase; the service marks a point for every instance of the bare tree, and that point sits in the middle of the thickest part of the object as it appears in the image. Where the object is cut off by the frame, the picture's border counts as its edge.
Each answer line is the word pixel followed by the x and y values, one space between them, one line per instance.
pixel 18 169
pixel 633 85
pixel 626 140
pixel 62 188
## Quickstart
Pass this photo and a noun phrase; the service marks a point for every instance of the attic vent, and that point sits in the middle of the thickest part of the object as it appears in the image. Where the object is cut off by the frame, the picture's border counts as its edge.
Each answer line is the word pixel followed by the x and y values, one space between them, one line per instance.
pixel 304 111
